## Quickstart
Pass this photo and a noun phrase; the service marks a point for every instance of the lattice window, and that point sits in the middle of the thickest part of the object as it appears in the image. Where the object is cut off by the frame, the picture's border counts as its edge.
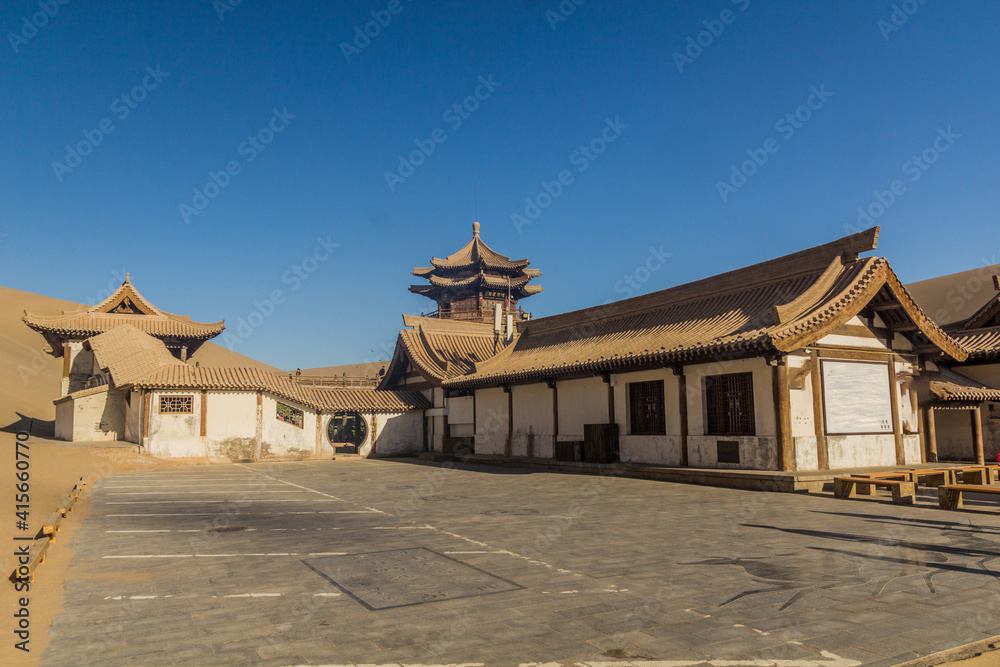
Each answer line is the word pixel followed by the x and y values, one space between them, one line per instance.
pixel 289 415
pixel 729 404
pixel 176 405
pixel 646 408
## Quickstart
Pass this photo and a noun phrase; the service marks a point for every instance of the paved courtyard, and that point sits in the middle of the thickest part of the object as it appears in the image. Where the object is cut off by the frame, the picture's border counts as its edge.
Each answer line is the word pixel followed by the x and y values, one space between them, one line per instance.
pixel 381 562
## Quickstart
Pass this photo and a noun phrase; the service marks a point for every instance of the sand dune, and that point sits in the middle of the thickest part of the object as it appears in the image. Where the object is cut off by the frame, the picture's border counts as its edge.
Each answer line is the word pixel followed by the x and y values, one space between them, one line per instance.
pixel 350 370
pixel 30 378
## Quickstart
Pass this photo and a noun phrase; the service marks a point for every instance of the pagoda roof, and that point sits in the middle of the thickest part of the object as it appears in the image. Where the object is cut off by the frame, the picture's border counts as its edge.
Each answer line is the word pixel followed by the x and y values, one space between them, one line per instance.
pixel 518 285
pixel 767 309
pixel 125 306
pixel 473 255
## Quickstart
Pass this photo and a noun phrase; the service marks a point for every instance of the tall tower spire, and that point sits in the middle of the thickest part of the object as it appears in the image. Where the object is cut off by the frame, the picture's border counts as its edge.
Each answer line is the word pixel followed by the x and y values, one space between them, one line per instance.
pixel 468 284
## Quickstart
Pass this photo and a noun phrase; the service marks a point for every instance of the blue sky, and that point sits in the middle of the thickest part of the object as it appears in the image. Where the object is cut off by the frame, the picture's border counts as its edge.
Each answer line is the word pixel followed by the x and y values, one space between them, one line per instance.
pixel 833 101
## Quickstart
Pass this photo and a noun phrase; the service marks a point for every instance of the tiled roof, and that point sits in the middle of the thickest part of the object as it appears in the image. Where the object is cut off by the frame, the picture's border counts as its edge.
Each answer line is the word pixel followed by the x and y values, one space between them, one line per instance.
pixel 136 359
pixel 132 309
pixel 89 391
pixel 441 348
pixel 951 386
pixel 129 354
pixel 769 308
pixel 983 344
pixel 475 254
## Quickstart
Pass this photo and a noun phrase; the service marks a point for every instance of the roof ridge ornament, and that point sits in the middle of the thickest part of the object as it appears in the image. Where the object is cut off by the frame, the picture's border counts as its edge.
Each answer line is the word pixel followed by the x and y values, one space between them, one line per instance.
pixel 475 229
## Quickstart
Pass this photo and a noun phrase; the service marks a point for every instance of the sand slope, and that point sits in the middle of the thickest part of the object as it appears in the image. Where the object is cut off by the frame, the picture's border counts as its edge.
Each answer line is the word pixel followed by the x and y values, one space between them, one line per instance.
pixel 29 377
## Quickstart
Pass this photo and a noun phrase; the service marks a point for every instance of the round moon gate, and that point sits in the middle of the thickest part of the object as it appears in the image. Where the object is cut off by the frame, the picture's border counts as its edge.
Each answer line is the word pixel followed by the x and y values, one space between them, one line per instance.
pixel 347 432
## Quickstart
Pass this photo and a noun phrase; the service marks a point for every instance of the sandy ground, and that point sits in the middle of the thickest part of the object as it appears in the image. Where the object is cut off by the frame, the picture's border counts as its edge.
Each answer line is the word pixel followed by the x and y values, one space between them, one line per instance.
pixel 55 468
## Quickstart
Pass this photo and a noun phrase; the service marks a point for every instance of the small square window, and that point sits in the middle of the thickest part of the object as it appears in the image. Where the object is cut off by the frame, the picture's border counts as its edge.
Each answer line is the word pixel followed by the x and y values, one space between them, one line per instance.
pixel 176 405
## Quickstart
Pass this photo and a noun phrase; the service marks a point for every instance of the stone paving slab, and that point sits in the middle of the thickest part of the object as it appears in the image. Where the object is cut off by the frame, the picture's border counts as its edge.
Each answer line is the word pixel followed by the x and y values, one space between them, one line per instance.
pixel 210 566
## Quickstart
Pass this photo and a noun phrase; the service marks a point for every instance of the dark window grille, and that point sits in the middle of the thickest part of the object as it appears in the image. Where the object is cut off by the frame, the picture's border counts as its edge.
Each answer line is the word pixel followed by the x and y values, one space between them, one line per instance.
pixel 176 405
pixel 646 409
pixel 729 404
pixel 289 415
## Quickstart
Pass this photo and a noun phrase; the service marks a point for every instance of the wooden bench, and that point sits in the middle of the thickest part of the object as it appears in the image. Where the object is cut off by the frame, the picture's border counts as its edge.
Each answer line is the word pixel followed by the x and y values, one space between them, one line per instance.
pixel 51 526
pixel 950 495
pixel 978 475
pixel 848 487
pixel 36 556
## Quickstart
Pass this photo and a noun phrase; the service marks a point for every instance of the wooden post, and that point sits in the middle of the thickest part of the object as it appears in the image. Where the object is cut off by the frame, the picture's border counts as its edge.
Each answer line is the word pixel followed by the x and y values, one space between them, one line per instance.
pixel 371 452
pixel 319 433
pixel 783 415
pixel 259 445
pixel 682 407
pixel 897 432
pixel 822 455
pixel 146 407
pixel 932 452
pixel 204 412
pixel 977 435
pixel 509 445
pixel 555 416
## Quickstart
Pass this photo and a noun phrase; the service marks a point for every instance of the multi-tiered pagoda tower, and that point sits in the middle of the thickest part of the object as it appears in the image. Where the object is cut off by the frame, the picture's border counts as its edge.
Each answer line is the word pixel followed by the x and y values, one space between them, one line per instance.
pixel 468 284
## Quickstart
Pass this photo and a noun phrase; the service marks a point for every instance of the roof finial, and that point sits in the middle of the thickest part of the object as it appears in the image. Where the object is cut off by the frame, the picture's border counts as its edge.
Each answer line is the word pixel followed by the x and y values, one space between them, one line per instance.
pixel 475 229
pixel 126 276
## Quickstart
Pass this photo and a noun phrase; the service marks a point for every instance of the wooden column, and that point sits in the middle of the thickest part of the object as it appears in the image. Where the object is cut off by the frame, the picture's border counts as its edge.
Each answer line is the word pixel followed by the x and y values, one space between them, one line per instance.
pixel 819 421
pixel 977 434
pixel 147 400
pixel 611 401
pixel 259 445
pixel 509 445
pixel 682 408
pixel 783 415
pixel 897 431
pixel 374 418
pixel 555 416
pixel 474 422
pixel 319 433
pixel 204 412
pixel 932 452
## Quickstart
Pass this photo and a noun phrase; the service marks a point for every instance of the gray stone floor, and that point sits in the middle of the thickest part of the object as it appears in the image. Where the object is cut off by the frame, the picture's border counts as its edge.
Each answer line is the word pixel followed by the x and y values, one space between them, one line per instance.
pixel 388 562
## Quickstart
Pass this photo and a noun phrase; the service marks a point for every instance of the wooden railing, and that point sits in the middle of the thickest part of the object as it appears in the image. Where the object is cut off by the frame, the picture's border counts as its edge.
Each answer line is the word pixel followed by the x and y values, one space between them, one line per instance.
pixel 334 381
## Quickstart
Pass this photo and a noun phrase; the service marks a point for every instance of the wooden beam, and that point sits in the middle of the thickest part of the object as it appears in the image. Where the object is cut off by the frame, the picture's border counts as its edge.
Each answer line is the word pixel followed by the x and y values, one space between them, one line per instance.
pixel 822 455
pixel 897 432
pixel 783 415
pixel 932 453
pixel 977 435
pixel 682 406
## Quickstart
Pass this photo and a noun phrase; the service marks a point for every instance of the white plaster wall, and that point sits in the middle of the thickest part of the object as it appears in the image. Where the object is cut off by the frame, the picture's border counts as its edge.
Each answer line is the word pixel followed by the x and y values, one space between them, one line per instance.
pixel 659 449
pixel 858 451
pixel 912 453
pixel 583 401
pixel 806 454
pixel 106 409
pixel 462 430
pixel 399 433
pixel 756 453
pixel 801 400
pixel 172 435
pixel 64 420
pixel 133 418
pixel 365 448
pixel 230 415
pixel 533 423
pixel 460 410
pixel 281 439
pixel 491 421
